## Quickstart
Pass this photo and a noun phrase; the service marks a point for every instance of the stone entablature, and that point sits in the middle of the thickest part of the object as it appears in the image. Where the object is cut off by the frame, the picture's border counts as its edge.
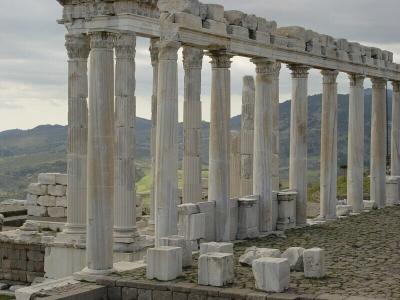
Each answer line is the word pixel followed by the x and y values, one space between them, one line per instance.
pixel 212 19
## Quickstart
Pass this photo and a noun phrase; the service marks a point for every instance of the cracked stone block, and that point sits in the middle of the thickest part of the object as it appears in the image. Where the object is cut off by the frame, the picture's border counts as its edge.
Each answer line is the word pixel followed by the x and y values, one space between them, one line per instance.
pixel 314 263
pixel 216 247
pixel 164 263
pixel 179 241
pixel 215 269
pixel 271 274
pixel 295 257
pixel 253 253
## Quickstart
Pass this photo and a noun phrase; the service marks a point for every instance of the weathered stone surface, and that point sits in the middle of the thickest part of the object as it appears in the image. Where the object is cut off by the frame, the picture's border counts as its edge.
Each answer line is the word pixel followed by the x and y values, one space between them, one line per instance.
pixel 129 293
pixel 188 20
pixel 56 212
pixel 62 179
pixel 47 200
pixel 208 208
pixel 57 190
pixel 172 6
pixel 47 178
pixel 215 12
pixel 295 257
pixel 215 269
pixel 214 26
pixel 234 17
pixel 216 247
pixel 314 263
pixel 37 211
pixel 238 31
pixel 271 274
pixel 164 263
pixel 253 253
pixel 31 199
pixel 250 22
pixel 61 201
pixel 344 210
pixel 188 209
pixel 197 226
pixel 248 217
pixel 37 189
pixel 179 241
pixel 295 32
pixel 266 26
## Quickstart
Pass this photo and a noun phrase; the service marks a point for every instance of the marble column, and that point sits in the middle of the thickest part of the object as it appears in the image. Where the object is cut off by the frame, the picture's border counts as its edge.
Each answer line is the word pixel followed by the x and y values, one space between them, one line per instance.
pixel 166 167
pixel 192 63
pixel 78 51
pixel 298 140
pixel 262 165
pixel 395 146
pixel 125 230
pixel 100 159
pixel 218 185
pixel 154 62
pixel 328 166
pixel 234 164
pixel 355 149
pixel 378 142
pixel 247 137
pixel 275 128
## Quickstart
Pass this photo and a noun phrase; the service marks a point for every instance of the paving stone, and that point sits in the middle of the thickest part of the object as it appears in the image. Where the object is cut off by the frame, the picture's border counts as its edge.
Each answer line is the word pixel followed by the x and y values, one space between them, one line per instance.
pixel 129 293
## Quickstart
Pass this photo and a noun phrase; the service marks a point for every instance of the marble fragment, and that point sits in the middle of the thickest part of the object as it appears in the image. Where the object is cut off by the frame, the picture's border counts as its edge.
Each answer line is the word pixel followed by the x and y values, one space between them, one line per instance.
pixel 314 263
pixel 295 257
pixel 271 274
pixel 253 253
pixel 216 247
pixel 216 269
pixel 164 263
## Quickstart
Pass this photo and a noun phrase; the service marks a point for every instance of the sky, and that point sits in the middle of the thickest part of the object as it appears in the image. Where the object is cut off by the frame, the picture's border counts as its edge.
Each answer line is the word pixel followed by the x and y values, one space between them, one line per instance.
pixel 33 59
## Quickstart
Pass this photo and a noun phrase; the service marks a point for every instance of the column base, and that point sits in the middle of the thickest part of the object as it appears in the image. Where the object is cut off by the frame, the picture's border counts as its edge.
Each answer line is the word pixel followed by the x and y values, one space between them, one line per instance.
pixel 91 275
pixel 74 238
pixel 74 229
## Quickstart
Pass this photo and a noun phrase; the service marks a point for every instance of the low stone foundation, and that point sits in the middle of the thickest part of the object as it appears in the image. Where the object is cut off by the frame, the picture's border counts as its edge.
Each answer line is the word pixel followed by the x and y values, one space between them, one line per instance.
pixel 21 261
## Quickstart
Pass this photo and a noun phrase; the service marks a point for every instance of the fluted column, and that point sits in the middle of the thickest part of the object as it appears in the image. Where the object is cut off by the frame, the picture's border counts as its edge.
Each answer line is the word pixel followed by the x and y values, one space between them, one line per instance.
pixel 78 51
pixel 100 159
pixel 234 164
pixel 166 168
pixel 355 164
pixel 298 140
pixel 154 62
pixel 378 142
pixel 275 128
pixel 125 229
pixel 262 165
pixel 395 146
pixel 218 185
pixel 247 137
pixel 328 173
pixel 192 63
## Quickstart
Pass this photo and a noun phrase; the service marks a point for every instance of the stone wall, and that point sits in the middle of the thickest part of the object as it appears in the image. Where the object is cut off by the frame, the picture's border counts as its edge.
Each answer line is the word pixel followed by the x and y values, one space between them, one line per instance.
pixel 21 261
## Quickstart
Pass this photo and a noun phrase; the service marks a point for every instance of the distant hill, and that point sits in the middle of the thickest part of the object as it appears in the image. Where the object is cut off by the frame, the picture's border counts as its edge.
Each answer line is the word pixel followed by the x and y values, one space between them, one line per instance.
pixel 25 153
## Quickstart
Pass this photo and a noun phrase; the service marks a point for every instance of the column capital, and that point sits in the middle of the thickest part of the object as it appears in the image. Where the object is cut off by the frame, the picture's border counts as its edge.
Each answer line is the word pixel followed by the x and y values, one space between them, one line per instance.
pixel 125 46
pixel 192 58
pixel 220 59
pixel 154 51
pixel 378 82
pixel 102 39
pixel 264 66
pixel 77 45
pixel 299 71
pixel 356 80
pixel 168 50
pixel 396 86
pixel 329 76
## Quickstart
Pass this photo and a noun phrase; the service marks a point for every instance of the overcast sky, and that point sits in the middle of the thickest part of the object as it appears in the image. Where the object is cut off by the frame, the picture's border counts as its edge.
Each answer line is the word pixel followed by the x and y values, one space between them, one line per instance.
pixel 33 67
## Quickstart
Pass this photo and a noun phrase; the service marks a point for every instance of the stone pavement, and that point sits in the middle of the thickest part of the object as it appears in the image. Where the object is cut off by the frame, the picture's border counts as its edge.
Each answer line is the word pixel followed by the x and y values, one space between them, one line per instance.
pixel 362 257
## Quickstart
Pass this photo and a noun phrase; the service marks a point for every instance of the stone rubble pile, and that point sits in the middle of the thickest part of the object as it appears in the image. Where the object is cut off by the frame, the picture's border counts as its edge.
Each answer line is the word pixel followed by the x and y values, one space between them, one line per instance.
pixel 48 197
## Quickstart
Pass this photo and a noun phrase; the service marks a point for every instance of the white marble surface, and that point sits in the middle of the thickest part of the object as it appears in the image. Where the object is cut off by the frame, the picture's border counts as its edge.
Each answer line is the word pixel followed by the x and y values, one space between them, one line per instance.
pixel 355 158
pixel 314 263
pixel 234 164
pixel 216 247
pixel 253 253
pixel 216 269
pixel 295 257
pixel 164 263
pixel 395 134
pixel 271 274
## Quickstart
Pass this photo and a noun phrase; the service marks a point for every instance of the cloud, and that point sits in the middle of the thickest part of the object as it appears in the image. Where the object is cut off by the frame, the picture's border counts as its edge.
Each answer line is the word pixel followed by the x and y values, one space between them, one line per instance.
pixel 33 60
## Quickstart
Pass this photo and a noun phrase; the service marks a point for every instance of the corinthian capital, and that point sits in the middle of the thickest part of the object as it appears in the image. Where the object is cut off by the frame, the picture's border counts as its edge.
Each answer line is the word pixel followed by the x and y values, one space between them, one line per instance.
pixel 192 57
pixel 378 83
pixel 329 76
pixel 154 51
pixel 356 80
pixel 77 46
pixel 125 46
pixel 168 50
pixel 220 59
pixel 299 71
pixel 265 66
pixel 102 39
pixel 396 86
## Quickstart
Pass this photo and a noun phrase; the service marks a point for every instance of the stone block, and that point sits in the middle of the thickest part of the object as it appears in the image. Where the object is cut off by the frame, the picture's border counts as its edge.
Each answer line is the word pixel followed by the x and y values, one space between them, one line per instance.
pixel 215 12
pixel 368 204
pixel 295 32
pixel 129 293
pixel 179 296
pixel 37 211
pixel 197 226
pixel 47 200
pixel 215 269
pixel 392 190
pixel 215 27
pixel 263 37
pixel 314 263
pixel 295 257
pixel 248 217
pixel 342 55
pixel 266 26
pixel 271 274
pixel 172 6
pixel 47 178
pixel 61 201
pixel 286 210
pixel 213 247
pixel 188 20
pixel 238 31
pixel 114 293
pixel 37 189
pixel 343 210
pixel 279 41
pixel 208 208
pixel 234 17
pixel 250 22
pixel 188 209
pixel 62 179
pixel 164 263
pixel 179 241
pixel 253 253
pixel 57 190
pixel 314 46
pixel 56 212
pixel 144 294
pixel 31 199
